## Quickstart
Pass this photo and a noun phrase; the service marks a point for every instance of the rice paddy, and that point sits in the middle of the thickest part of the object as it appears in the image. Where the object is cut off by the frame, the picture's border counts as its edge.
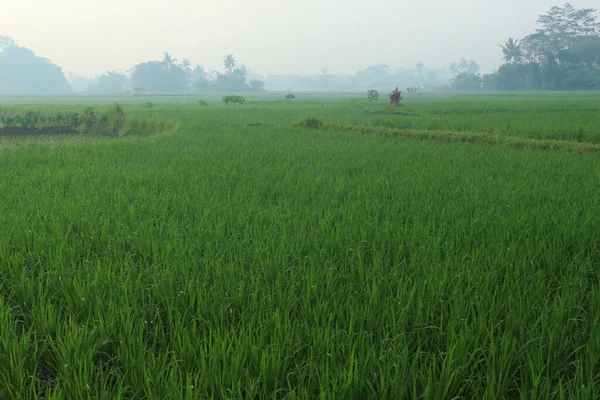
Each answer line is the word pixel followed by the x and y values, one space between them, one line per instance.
pixel 318 248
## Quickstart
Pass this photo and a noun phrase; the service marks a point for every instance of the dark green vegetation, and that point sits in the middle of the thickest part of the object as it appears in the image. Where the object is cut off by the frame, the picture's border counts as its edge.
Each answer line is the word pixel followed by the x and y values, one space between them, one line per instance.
pixel 242 260
pixel 233 99
pixel 113 122
pixel 562 54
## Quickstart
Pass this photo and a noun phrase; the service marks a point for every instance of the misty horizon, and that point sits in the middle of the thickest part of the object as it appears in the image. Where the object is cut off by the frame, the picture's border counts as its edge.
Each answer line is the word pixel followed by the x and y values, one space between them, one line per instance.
pixel 89 39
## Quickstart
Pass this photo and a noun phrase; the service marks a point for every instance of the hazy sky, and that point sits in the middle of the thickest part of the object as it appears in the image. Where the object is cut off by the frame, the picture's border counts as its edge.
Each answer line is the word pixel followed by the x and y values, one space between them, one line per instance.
pixel 270 36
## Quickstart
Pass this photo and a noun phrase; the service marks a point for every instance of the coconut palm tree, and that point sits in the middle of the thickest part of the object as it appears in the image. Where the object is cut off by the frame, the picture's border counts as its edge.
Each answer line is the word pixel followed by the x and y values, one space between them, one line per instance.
pixel 168 60
pixel 229 62
pixel 512 51
pixel 186 65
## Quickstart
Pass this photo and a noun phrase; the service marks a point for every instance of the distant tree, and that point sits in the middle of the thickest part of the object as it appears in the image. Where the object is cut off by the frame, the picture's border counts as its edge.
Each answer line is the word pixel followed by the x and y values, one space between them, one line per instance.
pixel 378 75
pixel 168 60
pixel 256 86
pixel 186 64
pixel 467 82
pixel 560 28
pixel 396 97
pixel 80 83
pixel 230 82
pixel 23 72
pixel 372 95
pixel 473 67
pixel 199 80
pixel 584 49
pixel 489 82
pixel 515 77
pixel 241 71
pixel 234 79
pixel 199 71
pixel 230 63
pixel 5 42
pixel 564 53
pixel 464 66
pixel 454 68
pixel 159 76
pixel 290 96
pixel 420 67
pixel 511 77
pixel 111 82
pixel 563 25
pixel 512 51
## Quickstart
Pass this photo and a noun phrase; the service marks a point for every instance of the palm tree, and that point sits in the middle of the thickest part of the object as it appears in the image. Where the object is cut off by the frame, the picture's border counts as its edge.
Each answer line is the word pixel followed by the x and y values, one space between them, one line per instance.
pixel 229 62
pixel 186 64
pixel 168 61
pixel 512 51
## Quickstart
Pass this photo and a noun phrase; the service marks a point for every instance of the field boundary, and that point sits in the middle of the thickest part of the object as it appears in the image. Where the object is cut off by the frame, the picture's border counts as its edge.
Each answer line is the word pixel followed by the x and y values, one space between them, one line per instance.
pixel 471 137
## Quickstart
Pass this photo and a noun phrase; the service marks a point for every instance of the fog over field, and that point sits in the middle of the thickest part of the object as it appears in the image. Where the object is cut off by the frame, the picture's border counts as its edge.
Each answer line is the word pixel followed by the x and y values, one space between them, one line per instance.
pixel 90 37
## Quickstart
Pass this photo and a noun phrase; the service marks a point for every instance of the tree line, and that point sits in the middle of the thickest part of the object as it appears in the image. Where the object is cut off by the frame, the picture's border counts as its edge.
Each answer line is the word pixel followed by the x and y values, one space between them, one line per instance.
pixel 25 73
pixel 167 75
pixel 562 54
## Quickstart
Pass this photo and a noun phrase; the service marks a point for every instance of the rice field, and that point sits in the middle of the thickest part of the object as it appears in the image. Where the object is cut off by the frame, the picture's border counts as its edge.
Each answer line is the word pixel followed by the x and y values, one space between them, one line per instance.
pixel 446 249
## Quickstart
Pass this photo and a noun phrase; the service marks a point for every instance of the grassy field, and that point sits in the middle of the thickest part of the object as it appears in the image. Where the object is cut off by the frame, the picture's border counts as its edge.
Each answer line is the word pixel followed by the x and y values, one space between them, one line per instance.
pixel 433 251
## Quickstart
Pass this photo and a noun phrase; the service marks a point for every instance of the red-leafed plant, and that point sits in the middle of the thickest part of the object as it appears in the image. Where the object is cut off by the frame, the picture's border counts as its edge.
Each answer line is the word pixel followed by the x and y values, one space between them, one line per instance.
pixel 395 97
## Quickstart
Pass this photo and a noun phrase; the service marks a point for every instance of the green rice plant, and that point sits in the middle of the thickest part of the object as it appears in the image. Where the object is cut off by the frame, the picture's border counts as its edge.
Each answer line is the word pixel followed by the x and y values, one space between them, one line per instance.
pixel 309 122
pixel 382 256
pixel 112 123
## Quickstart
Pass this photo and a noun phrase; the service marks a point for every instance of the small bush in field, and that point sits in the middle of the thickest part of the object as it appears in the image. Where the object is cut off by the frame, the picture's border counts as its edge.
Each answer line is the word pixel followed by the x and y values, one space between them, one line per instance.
pixel 310 123
pixel 148 105
pixel 202 103
pixel 396 97
pixel 290 96
pixel 233 99
pixel 372 95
